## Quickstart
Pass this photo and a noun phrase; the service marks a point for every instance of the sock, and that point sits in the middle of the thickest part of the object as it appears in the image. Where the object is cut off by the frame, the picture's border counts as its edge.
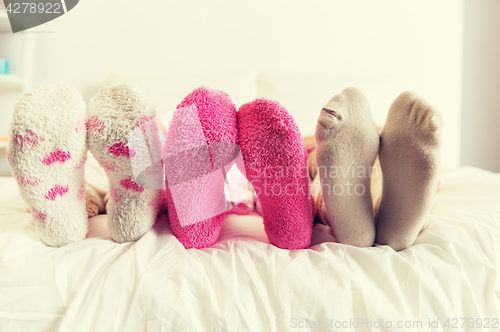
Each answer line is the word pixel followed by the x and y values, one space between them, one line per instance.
pixel 347 145
pixel 118 114
pixel 409 160
pixel 47 152
pixel 276 164
pixel 200 148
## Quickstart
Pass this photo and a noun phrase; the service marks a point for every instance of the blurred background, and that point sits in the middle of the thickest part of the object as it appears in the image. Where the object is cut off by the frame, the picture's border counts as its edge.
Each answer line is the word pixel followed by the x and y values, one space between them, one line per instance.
pixel 300 53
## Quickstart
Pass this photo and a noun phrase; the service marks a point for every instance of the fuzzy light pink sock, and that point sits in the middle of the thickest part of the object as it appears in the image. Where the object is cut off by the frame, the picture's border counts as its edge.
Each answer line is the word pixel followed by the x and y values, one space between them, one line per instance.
pixel 199 148
pixel 47 152
pixel 117 114
pixel 276 165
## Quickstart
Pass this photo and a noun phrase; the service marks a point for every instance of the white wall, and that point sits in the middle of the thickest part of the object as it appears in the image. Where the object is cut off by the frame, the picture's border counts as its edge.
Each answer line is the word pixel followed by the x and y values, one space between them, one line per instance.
pixel 414 44
pixel 481 85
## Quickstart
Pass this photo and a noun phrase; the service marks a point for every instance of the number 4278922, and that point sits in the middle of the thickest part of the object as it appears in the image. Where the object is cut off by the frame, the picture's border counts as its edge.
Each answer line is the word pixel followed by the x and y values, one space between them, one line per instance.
pixel 33 7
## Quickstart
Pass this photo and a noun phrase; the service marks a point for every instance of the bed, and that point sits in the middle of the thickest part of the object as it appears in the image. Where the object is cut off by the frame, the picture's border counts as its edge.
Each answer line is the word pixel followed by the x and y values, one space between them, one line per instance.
pixel 446 281
pixel 243 283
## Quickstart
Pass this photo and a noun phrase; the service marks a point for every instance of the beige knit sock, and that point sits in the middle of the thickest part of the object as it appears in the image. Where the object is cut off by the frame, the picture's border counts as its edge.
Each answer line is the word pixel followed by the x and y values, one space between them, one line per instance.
pixel 408 156
pixel 347 145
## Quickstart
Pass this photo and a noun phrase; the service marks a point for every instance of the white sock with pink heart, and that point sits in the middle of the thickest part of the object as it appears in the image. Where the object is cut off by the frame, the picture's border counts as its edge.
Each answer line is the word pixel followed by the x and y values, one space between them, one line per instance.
pixel 117 113
pixel 47 152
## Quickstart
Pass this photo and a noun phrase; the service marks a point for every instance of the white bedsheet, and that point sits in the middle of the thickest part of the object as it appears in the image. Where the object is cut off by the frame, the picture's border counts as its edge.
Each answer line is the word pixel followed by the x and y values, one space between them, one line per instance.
pixel 245 284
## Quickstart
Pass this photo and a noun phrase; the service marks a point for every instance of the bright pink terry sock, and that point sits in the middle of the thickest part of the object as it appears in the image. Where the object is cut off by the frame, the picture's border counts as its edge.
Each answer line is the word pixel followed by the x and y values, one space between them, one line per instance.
pixel 198 152
pixel 276 165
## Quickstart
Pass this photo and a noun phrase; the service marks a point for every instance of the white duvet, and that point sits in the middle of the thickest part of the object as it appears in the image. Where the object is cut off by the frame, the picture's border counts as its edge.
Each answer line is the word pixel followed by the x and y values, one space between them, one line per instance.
pixel 245 284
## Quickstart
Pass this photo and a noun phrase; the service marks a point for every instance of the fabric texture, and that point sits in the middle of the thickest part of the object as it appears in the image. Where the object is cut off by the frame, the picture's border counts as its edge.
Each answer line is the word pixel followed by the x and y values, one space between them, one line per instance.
pixel 244 283
pixel 117 115
pixel 199 149
pixel 276 165
pixel 347 146
pixel 47 151
pixel 410 158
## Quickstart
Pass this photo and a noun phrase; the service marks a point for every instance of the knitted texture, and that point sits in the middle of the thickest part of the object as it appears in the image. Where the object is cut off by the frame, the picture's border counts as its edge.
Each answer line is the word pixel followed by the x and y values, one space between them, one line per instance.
pixel 347 145
pixel 409 158
pixel 116 112
pixel 199 149
pixel 46 146
pixel 276 165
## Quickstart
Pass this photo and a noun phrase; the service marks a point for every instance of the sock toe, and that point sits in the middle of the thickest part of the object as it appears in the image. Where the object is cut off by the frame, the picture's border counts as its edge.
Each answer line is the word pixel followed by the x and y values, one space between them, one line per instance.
pixel 276 164
pixel 347 145
pixel 409 158
pixel 199 148
pixel 121 118
pixel 47 151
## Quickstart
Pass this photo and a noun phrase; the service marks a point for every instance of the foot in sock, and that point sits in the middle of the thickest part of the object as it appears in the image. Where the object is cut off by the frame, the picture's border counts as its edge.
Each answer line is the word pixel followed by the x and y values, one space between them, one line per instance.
pixel 276 164
pixel 116 112
pixel 347 145
pixel 47 151
pixel 409 160
pixel 200 147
